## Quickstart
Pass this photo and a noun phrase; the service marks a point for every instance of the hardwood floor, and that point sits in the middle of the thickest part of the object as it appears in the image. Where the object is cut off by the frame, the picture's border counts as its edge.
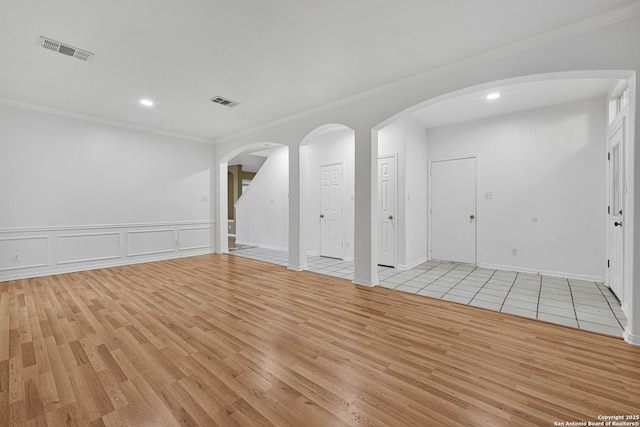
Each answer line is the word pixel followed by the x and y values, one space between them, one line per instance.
pixel 221 340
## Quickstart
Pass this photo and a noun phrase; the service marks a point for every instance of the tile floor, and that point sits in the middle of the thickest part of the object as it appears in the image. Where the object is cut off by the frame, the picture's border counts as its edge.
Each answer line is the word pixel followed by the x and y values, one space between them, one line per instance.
pixel 577 303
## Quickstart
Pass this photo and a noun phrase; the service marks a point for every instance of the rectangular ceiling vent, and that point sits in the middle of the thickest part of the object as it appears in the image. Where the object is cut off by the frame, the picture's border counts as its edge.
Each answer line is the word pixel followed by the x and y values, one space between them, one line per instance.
pixel 224 101
pixel 64 49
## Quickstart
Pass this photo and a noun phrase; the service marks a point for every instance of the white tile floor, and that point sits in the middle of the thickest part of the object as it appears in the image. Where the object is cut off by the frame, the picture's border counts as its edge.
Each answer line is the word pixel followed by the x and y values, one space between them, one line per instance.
pixel 577 303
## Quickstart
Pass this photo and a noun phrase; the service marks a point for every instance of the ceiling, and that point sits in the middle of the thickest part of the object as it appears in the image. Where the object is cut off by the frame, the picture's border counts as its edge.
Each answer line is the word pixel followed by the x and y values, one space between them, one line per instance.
pixel 275 57
pixel 252 161
pixel 513 98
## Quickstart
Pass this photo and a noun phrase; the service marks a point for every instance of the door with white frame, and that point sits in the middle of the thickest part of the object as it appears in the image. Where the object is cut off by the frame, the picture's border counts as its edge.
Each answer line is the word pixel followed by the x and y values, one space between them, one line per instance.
pixel 331 210
pixel 387 202
pixel 615 223
pixel 453 199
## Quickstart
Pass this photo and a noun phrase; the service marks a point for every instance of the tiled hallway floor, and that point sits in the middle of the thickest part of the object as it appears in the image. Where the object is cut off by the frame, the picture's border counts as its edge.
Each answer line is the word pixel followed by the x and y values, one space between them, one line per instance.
pixel 577 303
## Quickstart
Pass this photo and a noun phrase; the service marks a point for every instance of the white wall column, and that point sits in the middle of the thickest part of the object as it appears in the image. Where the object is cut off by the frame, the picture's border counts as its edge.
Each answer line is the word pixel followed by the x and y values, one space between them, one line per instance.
pixel 632 331
pixel 366 191
pixel 221 210
pixel 297 247
pixel 213 202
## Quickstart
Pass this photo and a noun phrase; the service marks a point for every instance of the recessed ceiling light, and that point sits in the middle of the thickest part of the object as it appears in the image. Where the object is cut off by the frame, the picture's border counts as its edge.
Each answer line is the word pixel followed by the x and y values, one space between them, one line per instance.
pixel 492 96
pixel 146 102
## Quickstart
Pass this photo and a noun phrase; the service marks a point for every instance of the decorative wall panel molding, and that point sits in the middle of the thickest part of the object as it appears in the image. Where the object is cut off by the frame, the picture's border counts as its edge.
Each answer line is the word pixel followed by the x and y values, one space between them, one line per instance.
pixel 125 226
pixel 147 242
pixel 23 252
pixel 86 247
pixel 194 238
pixel 26 252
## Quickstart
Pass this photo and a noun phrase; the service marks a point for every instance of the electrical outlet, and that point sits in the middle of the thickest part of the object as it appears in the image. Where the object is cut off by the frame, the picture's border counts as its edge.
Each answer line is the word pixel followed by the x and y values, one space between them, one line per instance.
pixel 514 251
pixel 15 257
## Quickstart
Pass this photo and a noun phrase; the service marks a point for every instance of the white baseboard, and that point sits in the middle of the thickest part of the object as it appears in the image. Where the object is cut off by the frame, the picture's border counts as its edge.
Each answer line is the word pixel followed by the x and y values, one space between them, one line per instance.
pixel 543 272
pixel 317 254
pixel 367 283
pixel 263 246
pixel 625 308
pixel 297 267
pixel 99 265
pixel 630 338
pixel 411 265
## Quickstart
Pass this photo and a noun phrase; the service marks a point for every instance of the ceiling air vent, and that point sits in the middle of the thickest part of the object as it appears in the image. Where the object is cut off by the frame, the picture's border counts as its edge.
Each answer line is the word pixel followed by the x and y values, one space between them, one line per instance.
pixel 224 101
pixel 55 46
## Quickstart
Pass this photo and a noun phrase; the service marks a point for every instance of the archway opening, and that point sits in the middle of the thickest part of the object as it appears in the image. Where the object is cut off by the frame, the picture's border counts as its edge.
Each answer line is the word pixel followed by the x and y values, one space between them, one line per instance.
pixel 327 168
pixel 254 200
pixel 534 157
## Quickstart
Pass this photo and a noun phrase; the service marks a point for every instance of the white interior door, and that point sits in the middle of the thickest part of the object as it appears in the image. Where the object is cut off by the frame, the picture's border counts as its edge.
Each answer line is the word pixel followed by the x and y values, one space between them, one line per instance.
pixel 616 211
pixel 387 189
pixel 453 210
pixel 331 210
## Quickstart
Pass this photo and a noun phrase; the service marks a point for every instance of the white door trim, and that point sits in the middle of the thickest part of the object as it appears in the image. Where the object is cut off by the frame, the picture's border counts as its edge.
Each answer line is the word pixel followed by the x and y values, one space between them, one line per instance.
pixel 618 125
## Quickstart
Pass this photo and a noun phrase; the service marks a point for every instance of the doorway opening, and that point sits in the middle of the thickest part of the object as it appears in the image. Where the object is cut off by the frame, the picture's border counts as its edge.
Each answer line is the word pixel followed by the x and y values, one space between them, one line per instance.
pixel 617 148
pixel 332 210
pixel 387 210
pixel 254 198
pixel 452 210
pixel 327 167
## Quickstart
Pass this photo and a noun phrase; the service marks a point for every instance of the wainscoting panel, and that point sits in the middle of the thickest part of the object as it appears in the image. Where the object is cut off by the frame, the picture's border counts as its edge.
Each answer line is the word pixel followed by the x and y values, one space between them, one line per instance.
pixel 194 238
pixel 88 247
pixel 23 252
pixel 41 251
pixel 148 242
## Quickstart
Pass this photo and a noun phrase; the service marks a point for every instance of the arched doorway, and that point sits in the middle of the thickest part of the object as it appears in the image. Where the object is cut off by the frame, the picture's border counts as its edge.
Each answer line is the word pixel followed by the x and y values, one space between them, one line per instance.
pixel 537 159
pixel 253 208
pixel 327 168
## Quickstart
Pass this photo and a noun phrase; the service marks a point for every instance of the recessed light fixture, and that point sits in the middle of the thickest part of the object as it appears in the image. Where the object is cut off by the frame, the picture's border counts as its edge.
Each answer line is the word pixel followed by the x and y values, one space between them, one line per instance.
pixel 492 96
pixel 146 102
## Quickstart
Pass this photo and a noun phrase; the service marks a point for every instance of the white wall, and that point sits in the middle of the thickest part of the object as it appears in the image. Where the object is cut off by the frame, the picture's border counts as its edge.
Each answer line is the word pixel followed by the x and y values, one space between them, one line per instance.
pixel 547 164
pixel 335 147
pixel 76 194
pixel 415 194
pixel 262 212
pixel 408 140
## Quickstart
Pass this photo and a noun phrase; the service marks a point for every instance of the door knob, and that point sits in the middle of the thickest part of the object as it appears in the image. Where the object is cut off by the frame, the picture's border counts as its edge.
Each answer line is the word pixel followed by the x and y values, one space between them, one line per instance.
pixel 321 215
pixel 618 224
pixel 390 216
pixel 472 216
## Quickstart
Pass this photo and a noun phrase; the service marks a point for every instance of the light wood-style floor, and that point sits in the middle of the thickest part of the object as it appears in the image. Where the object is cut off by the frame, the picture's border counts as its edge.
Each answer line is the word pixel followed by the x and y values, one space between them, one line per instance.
pixel 221 340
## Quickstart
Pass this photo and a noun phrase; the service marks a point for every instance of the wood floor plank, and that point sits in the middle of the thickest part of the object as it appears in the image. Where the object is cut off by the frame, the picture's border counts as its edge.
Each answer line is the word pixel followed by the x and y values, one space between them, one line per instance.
pixel 49 393
pixel 33 401
pixel 60 373
pixel 217 340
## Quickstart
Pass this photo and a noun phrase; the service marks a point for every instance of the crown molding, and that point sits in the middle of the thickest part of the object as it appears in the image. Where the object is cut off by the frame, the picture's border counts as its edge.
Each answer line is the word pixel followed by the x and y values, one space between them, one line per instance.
pixel 85 227
pixel 101 120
